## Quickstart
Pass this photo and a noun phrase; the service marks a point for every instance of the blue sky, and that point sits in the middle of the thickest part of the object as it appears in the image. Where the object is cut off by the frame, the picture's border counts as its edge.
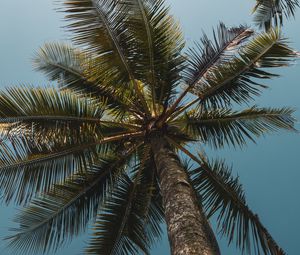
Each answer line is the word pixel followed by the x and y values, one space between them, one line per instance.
pixel 268 170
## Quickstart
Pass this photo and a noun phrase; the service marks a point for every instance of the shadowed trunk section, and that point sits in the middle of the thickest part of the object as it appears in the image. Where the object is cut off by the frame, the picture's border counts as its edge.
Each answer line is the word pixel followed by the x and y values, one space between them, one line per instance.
pixel 188 229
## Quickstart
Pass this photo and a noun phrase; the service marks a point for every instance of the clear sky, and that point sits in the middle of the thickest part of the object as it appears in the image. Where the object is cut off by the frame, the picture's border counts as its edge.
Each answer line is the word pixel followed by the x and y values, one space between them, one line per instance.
pixel 268 170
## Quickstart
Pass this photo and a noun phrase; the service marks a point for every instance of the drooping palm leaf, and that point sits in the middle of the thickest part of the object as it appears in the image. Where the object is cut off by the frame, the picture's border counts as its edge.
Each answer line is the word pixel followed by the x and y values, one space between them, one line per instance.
pixel 24 171
pixel 56 216
pixel 118 229
pixel 223 195
pixel 225 126
pixel 26 168
pixel 129 222
pixel 269 12
pixel 237 79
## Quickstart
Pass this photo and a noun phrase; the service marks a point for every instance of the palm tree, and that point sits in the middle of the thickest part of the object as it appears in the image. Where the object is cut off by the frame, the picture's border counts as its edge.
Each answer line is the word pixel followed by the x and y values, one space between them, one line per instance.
pixel 106 147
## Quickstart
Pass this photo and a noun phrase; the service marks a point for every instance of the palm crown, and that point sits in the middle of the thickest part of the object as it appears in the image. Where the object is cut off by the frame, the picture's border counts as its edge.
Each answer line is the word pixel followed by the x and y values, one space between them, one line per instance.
pixel 85 151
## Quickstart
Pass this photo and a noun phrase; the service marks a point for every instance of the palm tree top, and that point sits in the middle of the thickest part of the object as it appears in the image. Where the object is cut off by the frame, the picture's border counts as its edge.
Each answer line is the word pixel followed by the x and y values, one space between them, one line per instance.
pixel 84 152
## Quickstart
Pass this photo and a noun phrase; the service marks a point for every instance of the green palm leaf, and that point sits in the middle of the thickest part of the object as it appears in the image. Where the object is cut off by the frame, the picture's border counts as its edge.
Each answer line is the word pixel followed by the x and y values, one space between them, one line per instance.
pixel 45 114
pixel 139 20
pixel 119 230
pixel 51 134
pixel 224 126
pixel 269 12
pixel 159 43
pixel 71 68
pixel 26 170
pixel 236 80
pixel 129 221
pixel 47 107
pixel 100 28
pixel 26 167
pixel 208 54
pixel 56 216
pixel 222 194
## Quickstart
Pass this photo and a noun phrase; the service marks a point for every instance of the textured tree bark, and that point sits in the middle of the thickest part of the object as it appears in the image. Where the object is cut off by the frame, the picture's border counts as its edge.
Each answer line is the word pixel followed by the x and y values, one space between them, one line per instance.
pixel 188 229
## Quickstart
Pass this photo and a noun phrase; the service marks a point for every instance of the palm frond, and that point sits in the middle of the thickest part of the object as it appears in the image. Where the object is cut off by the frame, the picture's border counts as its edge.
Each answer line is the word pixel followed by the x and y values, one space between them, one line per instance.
pixel 237 79
pixel 26 169
pixel 224 126
pixel 29 105
pixel 139 21
pixel 62 63
pixel 208 53
pixel 159 43
pixel 222 194
pixel 44 113
pixel 270 12
pixel 99 26
pixel 55 217
pixel 129 222
pixel 70 68
pixel 119 230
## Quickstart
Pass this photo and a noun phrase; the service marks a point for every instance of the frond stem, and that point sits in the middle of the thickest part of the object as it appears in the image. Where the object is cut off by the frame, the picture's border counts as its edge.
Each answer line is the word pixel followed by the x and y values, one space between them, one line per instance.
pixel 172 109
pixel 141 97
pixel 72 150
pixel 151 59
pixel 182 109
pixel 180 147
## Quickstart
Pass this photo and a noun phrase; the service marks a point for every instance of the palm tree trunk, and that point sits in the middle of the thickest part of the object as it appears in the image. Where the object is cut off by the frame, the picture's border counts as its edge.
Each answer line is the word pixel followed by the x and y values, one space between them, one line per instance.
pixel 188 229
